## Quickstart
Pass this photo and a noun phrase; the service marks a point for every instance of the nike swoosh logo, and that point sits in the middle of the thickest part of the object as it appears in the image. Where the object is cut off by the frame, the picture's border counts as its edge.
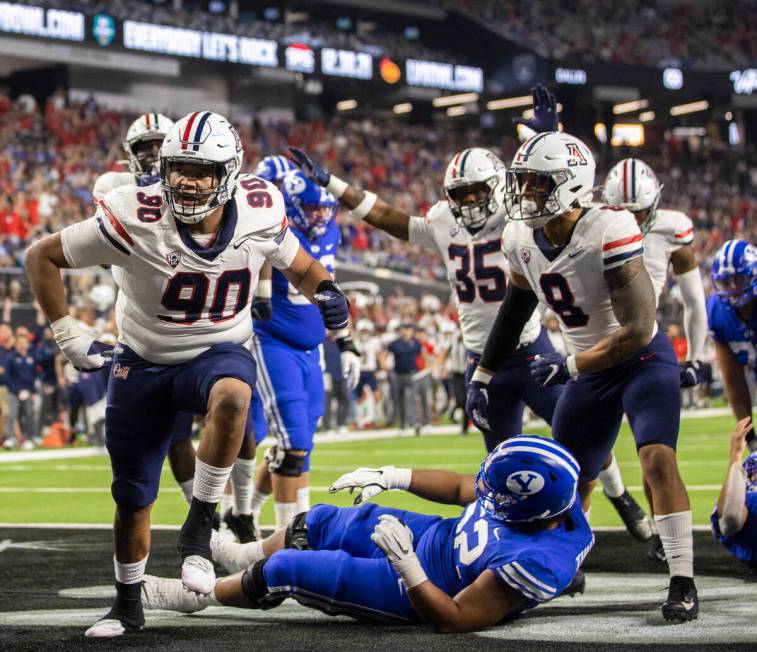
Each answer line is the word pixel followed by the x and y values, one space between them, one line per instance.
pixel 575 252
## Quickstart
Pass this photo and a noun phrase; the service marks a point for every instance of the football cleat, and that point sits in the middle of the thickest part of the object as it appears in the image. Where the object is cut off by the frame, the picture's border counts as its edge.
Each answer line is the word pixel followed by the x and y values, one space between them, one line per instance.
pixel 118 622
pixel 655 551
pixel 198 574
pixel 682 604
pixel 242 525
pixel 106 628
pixel 577 584
pixel 231 555
pixel 170 594
pixel 633 516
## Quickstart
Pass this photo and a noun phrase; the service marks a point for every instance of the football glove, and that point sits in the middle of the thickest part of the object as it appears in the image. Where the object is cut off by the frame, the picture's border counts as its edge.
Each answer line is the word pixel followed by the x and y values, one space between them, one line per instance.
pixel 395 540
pixel 550 369
pixel 261 309
pixel 82 350
pixel 333 304
pixel 545 111
pixel 691 373
pixel 350 358
pixel 477 400
pixel 371 482
pixel 310 167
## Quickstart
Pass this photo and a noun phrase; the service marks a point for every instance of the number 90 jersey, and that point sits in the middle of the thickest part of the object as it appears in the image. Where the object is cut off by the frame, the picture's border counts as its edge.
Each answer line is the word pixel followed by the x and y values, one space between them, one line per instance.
pixel 476 269
pixel 570 280
pixel 179 298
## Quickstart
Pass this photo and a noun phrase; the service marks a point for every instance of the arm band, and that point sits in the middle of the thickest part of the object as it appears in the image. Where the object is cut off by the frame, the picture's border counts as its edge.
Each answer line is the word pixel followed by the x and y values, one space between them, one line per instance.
pixel 729 521
pixel 336 186
pixel 365 206
pixel 694 311
pixel 515 311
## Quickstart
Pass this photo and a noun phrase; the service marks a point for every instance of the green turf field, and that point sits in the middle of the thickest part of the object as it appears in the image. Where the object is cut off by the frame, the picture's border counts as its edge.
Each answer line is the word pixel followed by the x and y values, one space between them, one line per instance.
pixel 77 490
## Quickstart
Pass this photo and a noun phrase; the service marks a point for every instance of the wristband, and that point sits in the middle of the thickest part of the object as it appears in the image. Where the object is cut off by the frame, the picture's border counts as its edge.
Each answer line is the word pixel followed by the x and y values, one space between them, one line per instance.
pixel 346 343
pixel 264 289
pixel 336 186
pixel 365 206
pixel 571 366
pixel 481 376
pixel 402 479
pixel 410 570
pixel 65 328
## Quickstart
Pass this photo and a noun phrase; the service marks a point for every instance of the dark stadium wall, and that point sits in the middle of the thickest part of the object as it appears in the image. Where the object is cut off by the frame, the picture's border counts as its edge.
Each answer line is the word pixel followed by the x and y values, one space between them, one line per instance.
pixel 39 82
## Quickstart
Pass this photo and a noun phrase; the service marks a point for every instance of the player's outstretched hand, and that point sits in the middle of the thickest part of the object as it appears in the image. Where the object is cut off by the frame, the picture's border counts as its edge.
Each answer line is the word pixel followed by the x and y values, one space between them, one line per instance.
pixel 310 167
pixel 691 373
pixel 740 439
pixel 545 111
pixel 262 309
pixel 333 304
pixel 477 400
pixel 82 350
pixel 549 369
pixel 366 483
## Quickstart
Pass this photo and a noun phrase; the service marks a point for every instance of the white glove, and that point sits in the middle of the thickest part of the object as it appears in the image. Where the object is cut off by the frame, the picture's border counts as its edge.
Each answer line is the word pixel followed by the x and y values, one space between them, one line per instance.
pixel 371 482
pixel 82 350
pixel 350 369
pixel 395 540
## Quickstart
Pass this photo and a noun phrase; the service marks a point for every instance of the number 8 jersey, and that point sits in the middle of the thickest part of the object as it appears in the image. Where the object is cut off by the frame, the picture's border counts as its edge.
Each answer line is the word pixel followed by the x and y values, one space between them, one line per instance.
pixel 180 297
pixel 570 280
pixel 476 270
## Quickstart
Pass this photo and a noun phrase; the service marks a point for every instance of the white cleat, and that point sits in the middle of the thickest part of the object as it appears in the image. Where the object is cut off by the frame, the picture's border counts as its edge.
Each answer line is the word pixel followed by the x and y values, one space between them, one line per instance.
pixel 197 574
pixel 171 595
pixel 106 628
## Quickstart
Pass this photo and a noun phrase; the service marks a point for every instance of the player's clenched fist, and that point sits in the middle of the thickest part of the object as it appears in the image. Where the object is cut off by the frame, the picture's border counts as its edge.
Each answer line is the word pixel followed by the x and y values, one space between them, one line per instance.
pixel 82 350
pixel 371 482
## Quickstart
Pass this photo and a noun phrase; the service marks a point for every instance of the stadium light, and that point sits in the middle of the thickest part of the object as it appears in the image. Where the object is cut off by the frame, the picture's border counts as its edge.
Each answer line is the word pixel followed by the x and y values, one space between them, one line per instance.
pixel 346 105
pixel 405 107
pixel 728 115
pixel 451 100
pixel 647 116
pixel 509 103
pixel 455 111
pixel 627 107
pixel 691 107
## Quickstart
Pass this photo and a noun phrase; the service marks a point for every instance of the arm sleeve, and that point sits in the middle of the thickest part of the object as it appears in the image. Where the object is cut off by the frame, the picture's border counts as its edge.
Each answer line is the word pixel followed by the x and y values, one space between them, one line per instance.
pixel 99 240
pixel 730 521
pixel 420 232
pixel 284 249
pixel 529 577
pixel 621 241
pixel 516 309
pixel 694 312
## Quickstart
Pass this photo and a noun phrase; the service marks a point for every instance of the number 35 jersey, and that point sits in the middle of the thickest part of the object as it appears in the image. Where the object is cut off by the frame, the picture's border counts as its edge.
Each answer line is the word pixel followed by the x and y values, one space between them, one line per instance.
pixel 476 269
pixel 570 280
pixel 179 297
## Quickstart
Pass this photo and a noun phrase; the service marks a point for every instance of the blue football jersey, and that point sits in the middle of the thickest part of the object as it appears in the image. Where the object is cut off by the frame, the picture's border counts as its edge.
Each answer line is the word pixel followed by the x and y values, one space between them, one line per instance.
pixel 743 544
pixel 297 322
pixel 727 327
pixel 539 565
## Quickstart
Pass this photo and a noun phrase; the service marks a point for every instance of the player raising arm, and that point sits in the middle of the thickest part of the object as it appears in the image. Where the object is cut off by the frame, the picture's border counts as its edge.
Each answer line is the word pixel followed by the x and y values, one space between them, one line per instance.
pixel 517 544
pixel 190 248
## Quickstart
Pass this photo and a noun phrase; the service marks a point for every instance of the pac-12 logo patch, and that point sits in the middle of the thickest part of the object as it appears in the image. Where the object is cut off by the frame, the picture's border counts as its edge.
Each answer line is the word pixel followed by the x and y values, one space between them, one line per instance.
pixel 525 254
pixel 173 258
pixel 525 483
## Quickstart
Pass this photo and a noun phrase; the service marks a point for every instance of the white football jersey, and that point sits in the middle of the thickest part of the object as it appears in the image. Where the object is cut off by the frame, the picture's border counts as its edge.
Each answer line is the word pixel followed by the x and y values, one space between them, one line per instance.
pixel 670 231
pixel 110 181
pixel 570 280
pixel 476 269
pixel 180 298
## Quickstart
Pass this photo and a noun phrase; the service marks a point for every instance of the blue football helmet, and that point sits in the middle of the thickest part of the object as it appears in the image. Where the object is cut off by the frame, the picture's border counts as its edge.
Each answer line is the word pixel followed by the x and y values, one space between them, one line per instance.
pixel 309 206
pixel 750 466
pixel 527 478
pixel 734 272
pixel 274 168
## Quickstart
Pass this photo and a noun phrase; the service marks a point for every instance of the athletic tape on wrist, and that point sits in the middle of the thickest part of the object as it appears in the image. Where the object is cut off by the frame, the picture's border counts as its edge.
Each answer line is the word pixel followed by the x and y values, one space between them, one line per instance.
pixel 410 570
pixel 481 376
pixel 336 186
pixel 570 364
pixel 365 206
pixel 65 328
pixel 264 289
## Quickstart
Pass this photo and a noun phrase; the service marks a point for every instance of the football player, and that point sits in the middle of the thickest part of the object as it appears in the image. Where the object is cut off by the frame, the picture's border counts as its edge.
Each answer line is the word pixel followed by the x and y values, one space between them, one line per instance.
pixel 668 236
pixel 585 262
pixel 517 544
pixel 190 248
pixel 734 519
pixel 286 348
pixel 732 320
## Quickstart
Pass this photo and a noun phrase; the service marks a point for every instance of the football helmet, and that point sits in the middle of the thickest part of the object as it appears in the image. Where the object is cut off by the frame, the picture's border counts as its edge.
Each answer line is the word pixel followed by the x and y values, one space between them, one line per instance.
pixel 750 466
pixel 633 185
pixel 734 272
pixel 274 168
pixel 477 172
pixel 309 206
pixel 206 140
pixel 142 134
pixel 527 478
pixel 552 173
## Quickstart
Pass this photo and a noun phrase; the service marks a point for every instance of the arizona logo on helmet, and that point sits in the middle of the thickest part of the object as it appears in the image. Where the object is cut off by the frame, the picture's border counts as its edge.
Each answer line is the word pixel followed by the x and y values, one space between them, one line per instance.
pixel 576 155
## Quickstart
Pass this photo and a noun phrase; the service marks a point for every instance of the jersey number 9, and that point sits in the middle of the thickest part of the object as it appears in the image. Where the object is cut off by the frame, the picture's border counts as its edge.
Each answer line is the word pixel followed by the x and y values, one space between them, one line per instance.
pixel 187 292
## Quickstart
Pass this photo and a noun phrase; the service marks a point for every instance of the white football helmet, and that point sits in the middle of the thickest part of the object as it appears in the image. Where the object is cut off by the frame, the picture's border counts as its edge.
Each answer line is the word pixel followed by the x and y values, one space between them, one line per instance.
pixel 147 128
pixel 479 171
pixel 632 184
pixel 560 166
pixel 201 138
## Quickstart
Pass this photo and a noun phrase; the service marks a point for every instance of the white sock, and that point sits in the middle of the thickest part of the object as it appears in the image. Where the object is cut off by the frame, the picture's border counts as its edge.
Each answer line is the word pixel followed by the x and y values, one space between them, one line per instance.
pixel 285 512
pixel 130 573
pixel 678 542
pixel 611 481
pixel 186 489
pixel 257 501
pixel 209 481
pixel 251 552
pixel 227 502
pixel 241 481
pixel 303 499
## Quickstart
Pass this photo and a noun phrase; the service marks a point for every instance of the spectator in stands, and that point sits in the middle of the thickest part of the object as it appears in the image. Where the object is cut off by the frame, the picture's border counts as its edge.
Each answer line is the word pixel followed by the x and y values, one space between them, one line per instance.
pixel 406 350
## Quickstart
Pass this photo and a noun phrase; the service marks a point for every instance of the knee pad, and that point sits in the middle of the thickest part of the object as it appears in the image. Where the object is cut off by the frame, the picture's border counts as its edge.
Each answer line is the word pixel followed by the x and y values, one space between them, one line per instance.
pixel 296 535
pixel 285 462
pixel 255 588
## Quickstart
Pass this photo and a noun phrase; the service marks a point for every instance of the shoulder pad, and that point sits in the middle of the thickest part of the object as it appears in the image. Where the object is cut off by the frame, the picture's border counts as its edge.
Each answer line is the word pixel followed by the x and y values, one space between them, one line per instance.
pixel 675 225
pixel 260 208
pixel 109 181
pixel 438 212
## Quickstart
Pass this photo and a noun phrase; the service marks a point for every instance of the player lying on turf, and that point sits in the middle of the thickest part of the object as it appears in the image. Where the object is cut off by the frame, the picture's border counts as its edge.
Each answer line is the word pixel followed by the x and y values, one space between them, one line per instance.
pixel 734 519
pixel 517 543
